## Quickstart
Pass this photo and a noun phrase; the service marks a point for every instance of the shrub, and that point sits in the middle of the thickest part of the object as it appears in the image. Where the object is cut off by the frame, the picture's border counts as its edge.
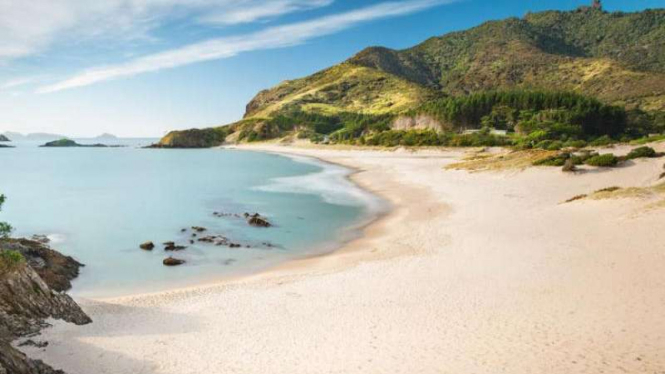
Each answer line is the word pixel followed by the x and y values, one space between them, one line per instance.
pixel 5 228
pixel 602 141
pixel 575 198
pixel 574 144
pixel 641 152
pixel 606 160
pixel 609 189
pixel 10 259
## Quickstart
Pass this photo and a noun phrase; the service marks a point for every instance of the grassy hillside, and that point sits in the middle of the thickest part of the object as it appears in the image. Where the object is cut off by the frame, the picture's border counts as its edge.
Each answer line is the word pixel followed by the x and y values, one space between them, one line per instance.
pixel 616 58
pixel 343 88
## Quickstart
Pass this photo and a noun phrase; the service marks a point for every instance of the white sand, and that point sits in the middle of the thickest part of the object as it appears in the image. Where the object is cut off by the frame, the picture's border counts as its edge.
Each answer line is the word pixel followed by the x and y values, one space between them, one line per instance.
pixel 472 273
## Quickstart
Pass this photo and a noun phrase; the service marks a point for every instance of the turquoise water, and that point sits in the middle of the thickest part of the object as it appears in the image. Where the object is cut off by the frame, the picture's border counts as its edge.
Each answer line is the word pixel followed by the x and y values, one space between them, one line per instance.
pixel 99 204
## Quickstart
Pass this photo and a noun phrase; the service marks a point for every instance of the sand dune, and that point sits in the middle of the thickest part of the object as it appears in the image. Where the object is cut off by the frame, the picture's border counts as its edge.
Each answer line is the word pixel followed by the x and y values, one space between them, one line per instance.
pixel 471 273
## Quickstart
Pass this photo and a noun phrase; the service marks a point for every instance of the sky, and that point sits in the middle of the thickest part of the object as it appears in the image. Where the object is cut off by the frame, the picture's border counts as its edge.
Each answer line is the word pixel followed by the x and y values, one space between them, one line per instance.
pixel 140 68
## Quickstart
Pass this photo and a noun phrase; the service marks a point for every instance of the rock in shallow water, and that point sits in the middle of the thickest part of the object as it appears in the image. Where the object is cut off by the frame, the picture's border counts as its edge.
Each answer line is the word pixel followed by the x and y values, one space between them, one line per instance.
pixel 148 246
pixel 170 261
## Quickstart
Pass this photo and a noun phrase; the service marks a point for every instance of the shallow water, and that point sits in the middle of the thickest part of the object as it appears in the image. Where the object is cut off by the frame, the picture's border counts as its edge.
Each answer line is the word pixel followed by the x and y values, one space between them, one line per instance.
pixel 99 204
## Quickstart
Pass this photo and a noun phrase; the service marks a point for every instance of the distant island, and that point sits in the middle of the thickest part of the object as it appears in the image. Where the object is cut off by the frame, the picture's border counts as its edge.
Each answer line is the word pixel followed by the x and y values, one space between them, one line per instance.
pixel 38 136
pixel 548 79
pixel 65 143
pixel 4 138
pixel 106 136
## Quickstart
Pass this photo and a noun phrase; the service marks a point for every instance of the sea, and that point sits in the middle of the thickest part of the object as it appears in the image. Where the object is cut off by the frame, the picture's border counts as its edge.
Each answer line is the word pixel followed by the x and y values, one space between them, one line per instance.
pixel 99 204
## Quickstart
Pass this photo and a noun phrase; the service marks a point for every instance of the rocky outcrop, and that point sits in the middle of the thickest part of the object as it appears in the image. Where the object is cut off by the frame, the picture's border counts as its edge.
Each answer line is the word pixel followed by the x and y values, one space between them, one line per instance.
pixel 256 220
pixel 4 138
pixel 26 300
pixel 54 268
pixel 419 122
pixel 194 138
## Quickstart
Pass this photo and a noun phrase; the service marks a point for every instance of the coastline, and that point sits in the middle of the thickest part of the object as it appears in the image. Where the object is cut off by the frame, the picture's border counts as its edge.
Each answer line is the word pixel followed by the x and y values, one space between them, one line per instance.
pixel 470 272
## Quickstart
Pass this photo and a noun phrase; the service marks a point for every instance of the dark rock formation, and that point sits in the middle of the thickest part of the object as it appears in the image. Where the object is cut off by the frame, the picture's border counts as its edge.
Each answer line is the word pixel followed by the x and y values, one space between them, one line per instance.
pixel 148 246
pixel 26 300
pixel 4 138
pixel 170 261
pixel 256 220
pixel 54 268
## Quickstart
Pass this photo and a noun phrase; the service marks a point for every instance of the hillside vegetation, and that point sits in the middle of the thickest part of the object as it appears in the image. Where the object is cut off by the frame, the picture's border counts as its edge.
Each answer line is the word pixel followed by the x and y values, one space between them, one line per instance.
pixel 555 76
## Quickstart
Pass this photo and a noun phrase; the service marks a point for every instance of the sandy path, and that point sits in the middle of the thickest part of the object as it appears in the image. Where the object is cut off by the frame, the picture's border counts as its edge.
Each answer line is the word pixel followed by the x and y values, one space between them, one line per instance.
pixel 472 273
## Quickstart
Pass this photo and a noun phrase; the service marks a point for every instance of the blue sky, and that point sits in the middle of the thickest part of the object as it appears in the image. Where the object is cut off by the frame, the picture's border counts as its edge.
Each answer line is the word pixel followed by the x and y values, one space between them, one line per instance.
pixel 144 67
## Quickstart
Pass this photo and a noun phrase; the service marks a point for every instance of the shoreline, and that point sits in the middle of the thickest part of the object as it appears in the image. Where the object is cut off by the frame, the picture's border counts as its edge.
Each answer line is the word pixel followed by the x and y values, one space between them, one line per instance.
pixel 358 234
pixel 470 273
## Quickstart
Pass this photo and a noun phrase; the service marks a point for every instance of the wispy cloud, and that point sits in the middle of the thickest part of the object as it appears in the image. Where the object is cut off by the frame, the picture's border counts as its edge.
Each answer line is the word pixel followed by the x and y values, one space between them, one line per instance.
pixel 30 27
pixel 253 11
pixel 220 48
pixel 21 81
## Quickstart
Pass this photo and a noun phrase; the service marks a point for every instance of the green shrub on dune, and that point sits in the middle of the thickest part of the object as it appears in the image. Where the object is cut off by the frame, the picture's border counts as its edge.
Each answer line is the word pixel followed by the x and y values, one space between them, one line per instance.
pixel 605 160
pixel 642 152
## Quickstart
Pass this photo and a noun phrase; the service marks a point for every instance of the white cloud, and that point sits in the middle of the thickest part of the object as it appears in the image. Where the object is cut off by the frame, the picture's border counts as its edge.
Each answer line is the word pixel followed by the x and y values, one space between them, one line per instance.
pixel 252 10
pixel 21 81
pixel 28 27
pixel 270 38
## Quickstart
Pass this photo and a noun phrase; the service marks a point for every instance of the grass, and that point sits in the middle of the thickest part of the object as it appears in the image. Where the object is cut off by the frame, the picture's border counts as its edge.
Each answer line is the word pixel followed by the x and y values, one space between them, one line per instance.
pixel 575 198
pixel 608 189
pixel 648 139
pixel 505 161
pixel 10 260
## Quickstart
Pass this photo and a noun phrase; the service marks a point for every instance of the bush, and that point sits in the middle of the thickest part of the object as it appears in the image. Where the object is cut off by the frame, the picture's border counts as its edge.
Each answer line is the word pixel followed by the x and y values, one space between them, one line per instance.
pixel 606 160
pixel 10 259
pixel 641 152
pixel 5 228
pixel 602 141
pixel 575 144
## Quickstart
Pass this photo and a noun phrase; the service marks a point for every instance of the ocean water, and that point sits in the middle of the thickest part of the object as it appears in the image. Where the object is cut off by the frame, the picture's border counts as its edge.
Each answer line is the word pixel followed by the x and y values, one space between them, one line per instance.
pixel 99 204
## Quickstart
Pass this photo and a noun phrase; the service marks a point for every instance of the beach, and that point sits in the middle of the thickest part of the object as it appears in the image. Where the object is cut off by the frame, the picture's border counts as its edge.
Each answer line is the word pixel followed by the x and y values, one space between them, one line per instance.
pixel 470 272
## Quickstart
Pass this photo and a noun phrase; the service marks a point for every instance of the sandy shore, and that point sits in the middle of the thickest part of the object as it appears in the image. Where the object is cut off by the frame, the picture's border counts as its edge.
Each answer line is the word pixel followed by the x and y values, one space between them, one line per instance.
pixel 471 273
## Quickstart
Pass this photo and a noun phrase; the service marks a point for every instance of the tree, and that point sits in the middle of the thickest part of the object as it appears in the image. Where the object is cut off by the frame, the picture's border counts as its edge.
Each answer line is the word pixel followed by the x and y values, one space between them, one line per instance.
pixel 5 228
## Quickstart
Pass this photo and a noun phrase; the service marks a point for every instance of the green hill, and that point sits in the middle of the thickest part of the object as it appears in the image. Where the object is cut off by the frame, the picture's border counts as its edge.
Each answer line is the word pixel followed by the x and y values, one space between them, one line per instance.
pixel 616 58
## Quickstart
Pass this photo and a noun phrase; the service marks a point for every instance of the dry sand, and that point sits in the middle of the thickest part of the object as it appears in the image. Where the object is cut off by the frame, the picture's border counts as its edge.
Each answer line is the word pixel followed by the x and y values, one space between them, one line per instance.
pixel 471 273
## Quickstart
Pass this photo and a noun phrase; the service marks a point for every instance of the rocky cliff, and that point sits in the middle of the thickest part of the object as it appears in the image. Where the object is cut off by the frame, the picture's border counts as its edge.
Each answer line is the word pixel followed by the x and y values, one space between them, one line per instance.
pixel 27 299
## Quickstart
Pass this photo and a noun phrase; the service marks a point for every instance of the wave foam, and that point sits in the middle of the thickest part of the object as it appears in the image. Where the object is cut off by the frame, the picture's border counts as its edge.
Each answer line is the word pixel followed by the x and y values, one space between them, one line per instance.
pixel 331 183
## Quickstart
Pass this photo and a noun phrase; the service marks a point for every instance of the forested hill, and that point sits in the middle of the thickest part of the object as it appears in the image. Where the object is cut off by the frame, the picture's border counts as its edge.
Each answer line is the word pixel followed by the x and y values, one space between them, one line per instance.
pixel 617 58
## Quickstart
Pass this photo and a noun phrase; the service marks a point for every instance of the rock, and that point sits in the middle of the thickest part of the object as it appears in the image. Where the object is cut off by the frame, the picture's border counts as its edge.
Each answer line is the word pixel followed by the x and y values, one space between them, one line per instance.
pixel 26 301
pixel 199 229
pixel 32 343
pixel 148 246
pixel 43 239
pixel 170 261
pixel 171 246
pixel 257 220
pixel 54 268
pixel 191 241
pixel 569 166
pixel 183 230
pixel 234 245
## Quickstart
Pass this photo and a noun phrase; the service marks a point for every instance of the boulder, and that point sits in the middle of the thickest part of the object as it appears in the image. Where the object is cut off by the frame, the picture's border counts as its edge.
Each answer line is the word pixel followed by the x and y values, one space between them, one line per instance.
pixel 171 246
pixel 257 220
pixel 170 261
pixel 147 246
